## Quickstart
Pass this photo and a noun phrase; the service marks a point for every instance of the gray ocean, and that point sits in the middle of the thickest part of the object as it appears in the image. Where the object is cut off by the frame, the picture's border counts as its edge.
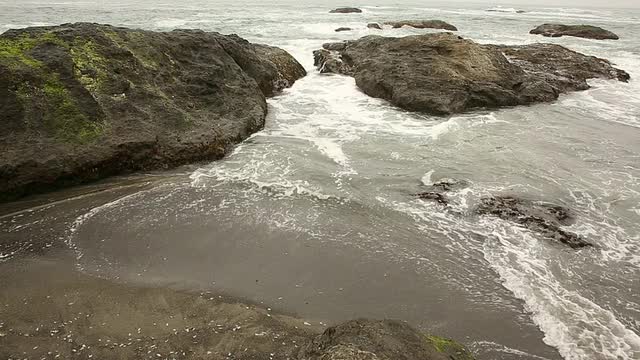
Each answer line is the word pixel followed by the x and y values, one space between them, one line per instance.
pixel 318 206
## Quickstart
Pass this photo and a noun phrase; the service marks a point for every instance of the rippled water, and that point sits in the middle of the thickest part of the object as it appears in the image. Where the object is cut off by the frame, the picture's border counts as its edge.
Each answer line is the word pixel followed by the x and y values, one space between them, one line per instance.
pixel 319 205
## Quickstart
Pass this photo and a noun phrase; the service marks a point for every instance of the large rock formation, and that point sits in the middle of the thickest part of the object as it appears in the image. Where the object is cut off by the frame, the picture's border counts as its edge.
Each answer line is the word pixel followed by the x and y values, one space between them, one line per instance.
pixel 444 74
pixel 542 218
pixel 583 31
pixel 381 340
pixel 422 24
pixel 83 101
pixel 345 10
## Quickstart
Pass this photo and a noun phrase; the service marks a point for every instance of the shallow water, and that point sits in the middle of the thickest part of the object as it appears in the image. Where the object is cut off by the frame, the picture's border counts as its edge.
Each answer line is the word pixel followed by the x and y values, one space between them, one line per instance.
pixel 315 214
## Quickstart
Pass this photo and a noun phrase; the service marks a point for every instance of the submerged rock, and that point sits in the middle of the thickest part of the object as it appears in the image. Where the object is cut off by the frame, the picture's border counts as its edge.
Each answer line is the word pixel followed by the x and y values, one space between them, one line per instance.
pixel 445 74
pixel 340 29
pixel 434 195
pixel 439 188
pixel 539 217
pixel 374 26
pixel 345 10
pixel 583 31
pixel 84 101
pixel 381 340
pixel 447 184
pixel 422 24
pixel 327 63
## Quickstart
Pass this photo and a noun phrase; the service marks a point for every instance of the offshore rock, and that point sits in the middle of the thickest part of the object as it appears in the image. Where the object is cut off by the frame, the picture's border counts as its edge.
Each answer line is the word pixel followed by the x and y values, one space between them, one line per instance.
pixel 542 218
pixel 83 101
pixel 340 29
pixel 374 26
pixel 345 10
pixel 381 340
pixel 583 31
pixel 422 24
pixel 444 74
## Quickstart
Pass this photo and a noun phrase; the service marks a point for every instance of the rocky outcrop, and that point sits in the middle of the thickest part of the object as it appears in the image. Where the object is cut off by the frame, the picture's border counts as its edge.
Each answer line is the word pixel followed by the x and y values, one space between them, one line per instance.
pixel 583 31
pixel 445 74
pixel 340 29
pixel 381 340
pixel 345 10
pixel 374 26
pixel 542 218
pixel 84 101
pixel 422 24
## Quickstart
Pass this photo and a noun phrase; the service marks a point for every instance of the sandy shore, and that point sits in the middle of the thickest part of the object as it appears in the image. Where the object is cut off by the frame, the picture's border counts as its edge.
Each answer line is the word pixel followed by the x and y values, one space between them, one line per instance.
pixel 49 311
pixel 224 291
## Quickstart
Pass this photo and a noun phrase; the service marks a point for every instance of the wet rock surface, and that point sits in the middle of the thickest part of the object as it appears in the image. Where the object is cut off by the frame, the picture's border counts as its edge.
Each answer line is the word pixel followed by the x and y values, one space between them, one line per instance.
pixel 542 218
pixel 346 10
pixel 387 339
pixel 84 101
pixel 583 31
pixel 422 24
pixel 445 74
pixel 439 188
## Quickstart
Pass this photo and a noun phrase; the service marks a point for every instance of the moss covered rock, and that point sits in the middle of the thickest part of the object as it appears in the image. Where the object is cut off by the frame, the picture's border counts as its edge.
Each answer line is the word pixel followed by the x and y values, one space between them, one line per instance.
pixel 381 340
pixel 83 101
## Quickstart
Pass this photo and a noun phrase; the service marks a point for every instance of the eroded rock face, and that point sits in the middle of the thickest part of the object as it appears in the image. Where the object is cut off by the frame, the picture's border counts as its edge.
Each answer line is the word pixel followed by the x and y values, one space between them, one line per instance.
pixel 540 217
pixel 444 74
pixel 346 10
pixel 381 340
pixel 84 101
pixel 422 24
pixel 583 31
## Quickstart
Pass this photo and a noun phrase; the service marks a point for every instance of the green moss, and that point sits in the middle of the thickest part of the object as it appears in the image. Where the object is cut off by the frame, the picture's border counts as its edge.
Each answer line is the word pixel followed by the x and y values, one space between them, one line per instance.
pixel 136 42
pixel 90 66
pixel 450 347
pixel 15 51
pixel 45 98
pixel 65 119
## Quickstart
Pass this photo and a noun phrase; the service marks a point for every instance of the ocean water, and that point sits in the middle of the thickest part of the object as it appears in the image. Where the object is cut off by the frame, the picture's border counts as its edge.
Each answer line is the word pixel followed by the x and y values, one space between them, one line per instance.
pixel 319 204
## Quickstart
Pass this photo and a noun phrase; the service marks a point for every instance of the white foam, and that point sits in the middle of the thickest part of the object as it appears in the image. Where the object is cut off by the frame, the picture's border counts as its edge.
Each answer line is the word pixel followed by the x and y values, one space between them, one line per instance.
pixel 427 178
pixel 579 328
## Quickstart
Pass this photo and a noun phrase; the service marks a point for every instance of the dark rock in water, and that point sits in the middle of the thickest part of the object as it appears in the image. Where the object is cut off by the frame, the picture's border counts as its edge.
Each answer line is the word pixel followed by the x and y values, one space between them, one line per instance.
pixel 374 26
pixel 345 10
pixel 328 63
pixel 84 101
pixel 564 69
pixel 506 11
pixel 441 186
pixel 343 29
pixel 433 195
pixel 539 217
pixel 422 24
pixel 583 31
pixel 447 184
pixel 381 340
pixel 445 74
